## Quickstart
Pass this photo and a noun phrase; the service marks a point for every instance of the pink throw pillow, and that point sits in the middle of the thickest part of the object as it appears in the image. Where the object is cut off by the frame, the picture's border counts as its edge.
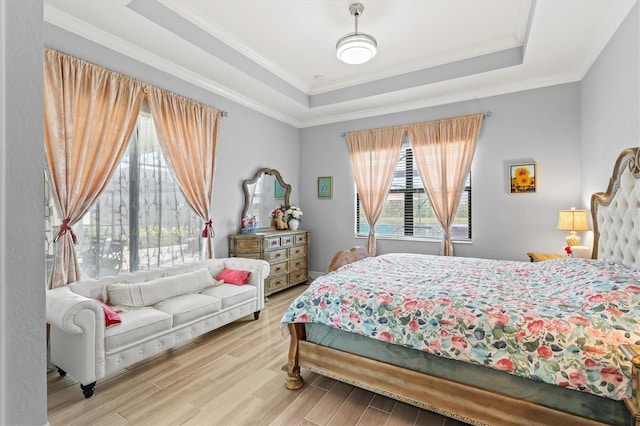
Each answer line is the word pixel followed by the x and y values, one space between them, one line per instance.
pixel 111 317
pixel 233 276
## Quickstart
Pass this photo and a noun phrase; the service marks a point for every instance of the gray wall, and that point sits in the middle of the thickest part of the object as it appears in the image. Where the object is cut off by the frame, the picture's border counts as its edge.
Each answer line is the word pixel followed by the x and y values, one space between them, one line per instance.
pixel 247 140
pixel 23 391
pixel 538 125
pixel 574 133
pixel 610 105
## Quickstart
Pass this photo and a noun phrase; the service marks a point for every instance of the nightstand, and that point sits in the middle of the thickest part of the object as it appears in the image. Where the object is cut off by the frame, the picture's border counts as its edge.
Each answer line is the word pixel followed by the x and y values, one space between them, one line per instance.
pixel 632 353
pixel 538 257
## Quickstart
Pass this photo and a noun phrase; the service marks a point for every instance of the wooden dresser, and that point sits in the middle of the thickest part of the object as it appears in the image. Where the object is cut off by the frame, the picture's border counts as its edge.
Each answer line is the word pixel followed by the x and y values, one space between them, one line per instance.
pixel 286 251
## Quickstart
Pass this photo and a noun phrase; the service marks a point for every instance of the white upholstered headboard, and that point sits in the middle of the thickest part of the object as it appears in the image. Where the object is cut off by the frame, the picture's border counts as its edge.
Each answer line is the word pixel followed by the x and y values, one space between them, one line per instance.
pixel 616 213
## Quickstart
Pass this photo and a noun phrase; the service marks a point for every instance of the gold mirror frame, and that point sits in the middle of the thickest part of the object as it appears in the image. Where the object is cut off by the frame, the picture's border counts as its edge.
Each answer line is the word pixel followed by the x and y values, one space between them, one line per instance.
pixel 249 208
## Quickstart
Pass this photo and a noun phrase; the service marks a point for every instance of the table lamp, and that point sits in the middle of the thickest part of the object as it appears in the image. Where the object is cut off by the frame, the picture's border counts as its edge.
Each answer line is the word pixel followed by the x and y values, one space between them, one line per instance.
pixel 573 220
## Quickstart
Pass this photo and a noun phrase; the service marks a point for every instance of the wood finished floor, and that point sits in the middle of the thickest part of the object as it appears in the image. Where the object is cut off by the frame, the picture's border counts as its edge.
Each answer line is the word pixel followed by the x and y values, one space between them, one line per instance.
pixel 231 376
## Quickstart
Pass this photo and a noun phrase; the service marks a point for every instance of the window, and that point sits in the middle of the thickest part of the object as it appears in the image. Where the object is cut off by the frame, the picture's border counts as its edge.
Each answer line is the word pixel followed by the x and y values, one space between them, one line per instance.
pixel 140 221
pixel 407 211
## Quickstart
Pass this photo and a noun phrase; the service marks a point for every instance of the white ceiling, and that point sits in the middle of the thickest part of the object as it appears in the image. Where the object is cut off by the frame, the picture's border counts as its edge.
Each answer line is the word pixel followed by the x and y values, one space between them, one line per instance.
pixel 278 56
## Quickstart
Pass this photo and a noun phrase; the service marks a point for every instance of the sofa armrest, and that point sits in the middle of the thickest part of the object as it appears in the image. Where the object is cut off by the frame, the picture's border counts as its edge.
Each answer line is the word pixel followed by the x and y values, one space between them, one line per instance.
pixel 259 268
pixel 259 272
pixel 77 334
pixel 63 307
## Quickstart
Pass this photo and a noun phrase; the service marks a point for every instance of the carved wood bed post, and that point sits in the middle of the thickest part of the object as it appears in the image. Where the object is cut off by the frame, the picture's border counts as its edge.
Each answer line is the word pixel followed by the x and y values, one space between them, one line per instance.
pixel 294 379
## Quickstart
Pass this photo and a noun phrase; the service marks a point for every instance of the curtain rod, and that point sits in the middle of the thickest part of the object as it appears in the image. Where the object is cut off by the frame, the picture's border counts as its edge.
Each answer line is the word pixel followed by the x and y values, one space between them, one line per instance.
pixel 484 114
pixel 144 90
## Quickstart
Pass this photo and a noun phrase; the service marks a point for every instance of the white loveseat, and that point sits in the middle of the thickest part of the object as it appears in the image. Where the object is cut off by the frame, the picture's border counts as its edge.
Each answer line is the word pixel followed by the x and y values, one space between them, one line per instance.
pixel 159 309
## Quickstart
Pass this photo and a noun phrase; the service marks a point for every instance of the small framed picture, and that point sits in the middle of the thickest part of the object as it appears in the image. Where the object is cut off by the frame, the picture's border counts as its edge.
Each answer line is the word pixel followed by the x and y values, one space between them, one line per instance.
pixel 278 190
pixel 522 178
pixel 325 187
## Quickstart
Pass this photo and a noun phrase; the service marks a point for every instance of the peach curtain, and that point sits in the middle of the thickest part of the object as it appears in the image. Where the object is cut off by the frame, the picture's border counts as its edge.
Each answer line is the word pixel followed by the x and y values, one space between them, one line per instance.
pixel 188 134
pixel 443 151
pixel 374 156
pixel 89 113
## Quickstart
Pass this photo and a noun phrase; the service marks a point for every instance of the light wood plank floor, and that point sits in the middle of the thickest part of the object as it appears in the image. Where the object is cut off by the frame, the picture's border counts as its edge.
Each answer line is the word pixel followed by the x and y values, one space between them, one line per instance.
pixel 231 376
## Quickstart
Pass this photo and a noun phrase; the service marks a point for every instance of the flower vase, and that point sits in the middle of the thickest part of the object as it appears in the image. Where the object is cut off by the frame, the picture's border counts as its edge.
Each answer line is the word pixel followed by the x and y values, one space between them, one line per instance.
pixel 293 224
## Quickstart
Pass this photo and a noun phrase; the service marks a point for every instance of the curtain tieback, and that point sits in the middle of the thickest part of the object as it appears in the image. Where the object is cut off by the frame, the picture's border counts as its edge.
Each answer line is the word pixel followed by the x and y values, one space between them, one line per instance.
pixel 63 230
pixel 208 230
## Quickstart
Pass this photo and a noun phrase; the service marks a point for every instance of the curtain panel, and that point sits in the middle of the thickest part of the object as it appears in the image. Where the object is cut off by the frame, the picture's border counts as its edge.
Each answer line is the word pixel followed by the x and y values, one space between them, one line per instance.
pixel 89 113
pixel 374 156
pixel 188 134
pixel 443 151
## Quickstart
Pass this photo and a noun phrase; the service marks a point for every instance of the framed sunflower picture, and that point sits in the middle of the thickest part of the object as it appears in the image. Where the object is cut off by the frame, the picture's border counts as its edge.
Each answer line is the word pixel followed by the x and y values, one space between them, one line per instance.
pixel 522 178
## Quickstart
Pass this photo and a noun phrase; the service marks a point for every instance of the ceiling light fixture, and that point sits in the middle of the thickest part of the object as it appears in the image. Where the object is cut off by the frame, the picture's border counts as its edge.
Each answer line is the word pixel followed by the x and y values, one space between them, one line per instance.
pixel 356 48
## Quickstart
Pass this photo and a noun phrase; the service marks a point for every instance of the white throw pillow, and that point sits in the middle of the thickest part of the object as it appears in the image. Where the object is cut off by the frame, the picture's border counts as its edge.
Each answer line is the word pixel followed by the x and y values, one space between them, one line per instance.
pixel 151 292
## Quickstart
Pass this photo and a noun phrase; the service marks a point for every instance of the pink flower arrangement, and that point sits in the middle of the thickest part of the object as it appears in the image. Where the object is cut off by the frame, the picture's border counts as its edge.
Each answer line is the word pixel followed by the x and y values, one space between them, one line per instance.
pixel 277 212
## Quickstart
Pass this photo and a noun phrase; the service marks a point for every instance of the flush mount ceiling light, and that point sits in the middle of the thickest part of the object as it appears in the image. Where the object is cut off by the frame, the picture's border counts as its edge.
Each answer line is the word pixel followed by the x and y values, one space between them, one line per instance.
pixel 356 48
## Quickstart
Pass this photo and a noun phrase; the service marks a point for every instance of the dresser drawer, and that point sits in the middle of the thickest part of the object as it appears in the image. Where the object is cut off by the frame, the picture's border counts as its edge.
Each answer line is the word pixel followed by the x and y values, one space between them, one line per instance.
pixel 272 243
pixel 253 255
pixel 300 239
pixel 275 256
pixel 297 264
pixel 286 240
pixel 248 244
pixel 300 251
pixel 276 283
pixel 298 277
pixel 279 268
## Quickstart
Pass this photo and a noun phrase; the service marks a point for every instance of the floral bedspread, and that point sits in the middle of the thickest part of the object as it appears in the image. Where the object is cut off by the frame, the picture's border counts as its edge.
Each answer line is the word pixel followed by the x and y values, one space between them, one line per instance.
pixel 558 321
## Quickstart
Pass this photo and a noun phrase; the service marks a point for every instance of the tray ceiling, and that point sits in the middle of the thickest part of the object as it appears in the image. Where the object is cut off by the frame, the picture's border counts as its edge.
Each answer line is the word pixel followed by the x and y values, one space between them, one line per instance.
pixel 278 57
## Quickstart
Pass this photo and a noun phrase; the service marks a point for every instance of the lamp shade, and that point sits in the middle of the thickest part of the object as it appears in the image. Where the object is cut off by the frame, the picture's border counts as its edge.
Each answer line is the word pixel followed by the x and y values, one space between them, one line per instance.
pixel 573 220
pixel 356 48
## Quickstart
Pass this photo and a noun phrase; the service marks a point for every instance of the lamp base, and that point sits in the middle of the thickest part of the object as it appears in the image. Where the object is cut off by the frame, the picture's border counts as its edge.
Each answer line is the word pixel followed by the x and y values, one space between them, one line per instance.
pixel 573 239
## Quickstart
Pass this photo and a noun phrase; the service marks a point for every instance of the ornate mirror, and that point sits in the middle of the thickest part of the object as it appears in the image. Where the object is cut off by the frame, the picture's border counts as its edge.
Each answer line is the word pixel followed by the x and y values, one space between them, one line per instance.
pixel 263 193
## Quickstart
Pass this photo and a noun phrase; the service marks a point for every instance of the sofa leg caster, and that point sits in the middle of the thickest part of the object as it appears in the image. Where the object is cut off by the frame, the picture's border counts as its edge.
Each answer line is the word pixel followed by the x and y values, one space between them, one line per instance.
pixel 87 390
pixel 256 315
pixel 61 372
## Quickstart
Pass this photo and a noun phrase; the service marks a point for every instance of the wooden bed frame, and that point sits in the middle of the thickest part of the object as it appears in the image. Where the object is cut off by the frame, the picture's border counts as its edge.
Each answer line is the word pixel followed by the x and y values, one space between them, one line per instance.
pixel 463 402
pixel 344 257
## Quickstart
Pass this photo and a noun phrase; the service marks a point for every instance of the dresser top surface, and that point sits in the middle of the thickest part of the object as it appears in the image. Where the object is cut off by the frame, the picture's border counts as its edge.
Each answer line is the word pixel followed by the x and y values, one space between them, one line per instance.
pixel 273 233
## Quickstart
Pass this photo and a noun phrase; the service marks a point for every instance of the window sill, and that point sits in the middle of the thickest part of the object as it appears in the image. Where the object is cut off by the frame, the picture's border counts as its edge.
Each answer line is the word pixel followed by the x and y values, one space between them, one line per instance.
pixel 405 238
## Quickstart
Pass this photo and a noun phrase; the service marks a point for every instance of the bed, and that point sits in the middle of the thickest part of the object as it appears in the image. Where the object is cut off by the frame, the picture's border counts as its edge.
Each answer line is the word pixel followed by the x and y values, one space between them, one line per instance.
pixel 486 341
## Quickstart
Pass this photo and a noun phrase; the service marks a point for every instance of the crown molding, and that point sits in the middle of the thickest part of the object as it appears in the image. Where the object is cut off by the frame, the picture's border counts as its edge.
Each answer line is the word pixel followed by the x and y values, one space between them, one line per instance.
pixel 188 12
pixel 60 19
pixel 611 22
pixel 429 101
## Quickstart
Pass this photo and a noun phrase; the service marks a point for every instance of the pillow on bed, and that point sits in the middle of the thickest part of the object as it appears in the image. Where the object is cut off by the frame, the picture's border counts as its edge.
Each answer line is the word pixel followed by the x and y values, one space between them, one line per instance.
pixel 151 292
pixel 234 276
pixel 111 317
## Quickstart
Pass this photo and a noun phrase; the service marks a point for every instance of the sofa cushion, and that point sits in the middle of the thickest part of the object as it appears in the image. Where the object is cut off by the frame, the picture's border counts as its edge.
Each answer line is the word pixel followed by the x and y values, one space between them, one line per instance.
pixel 189 307
pixel 232 294
pixel 136 325
pixel 111 317
pixel 154 291
pixel 234 276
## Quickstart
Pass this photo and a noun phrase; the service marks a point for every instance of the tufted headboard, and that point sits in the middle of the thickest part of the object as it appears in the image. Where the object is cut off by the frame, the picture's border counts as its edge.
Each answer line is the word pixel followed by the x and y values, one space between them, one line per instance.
pixel 616 213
